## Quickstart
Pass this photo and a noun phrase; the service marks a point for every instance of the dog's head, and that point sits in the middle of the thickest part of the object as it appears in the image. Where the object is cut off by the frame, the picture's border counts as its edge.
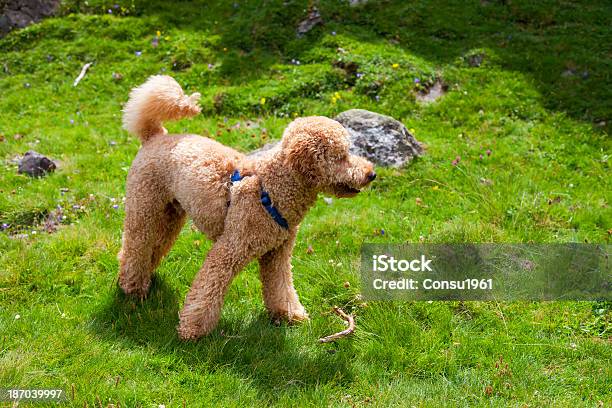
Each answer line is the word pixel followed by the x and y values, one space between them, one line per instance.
pixel 317 148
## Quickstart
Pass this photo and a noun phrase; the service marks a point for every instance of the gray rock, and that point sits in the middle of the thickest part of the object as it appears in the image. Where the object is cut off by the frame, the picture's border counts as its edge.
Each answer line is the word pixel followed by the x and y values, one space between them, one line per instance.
pixel 265 150
pixel 475 60
pixel 432 93
pixel 35 164
pixel 379 138
pixel 21 13
pixel 314 18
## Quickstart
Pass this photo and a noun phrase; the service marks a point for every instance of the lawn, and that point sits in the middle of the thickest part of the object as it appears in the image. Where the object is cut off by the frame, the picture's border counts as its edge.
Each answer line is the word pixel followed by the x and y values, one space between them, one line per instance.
pixel 528 131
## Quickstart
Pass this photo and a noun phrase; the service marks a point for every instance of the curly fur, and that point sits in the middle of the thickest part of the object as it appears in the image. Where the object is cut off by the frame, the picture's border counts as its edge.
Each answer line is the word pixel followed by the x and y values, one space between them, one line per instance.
pixel 176 176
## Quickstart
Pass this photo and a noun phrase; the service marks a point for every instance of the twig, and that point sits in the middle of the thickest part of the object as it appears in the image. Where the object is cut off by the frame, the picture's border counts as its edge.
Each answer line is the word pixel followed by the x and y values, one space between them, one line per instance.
pixel 82 74
pixel 350 329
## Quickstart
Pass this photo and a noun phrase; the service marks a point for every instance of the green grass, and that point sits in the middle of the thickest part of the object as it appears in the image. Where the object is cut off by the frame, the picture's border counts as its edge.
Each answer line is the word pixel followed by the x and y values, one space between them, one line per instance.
pixel 541 104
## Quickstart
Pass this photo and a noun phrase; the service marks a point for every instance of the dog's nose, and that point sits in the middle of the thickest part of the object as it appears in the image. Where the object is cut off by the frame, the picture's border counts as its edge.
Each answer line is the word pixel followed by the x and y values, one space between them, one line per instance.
pixel 371 176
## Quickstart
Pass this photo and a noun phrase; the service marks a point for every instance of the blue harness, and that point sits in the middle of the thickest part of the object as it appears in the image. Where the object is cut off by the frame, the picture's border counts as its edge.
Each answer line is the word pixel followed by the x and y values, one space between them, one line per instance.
pixel 265 201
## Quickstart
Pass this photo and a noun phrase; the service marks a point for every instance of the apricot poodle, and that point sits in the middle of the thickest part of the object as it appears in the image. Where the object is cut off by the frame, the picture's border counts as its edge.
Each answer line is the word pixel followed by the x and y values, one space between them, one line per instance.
pixel 250 207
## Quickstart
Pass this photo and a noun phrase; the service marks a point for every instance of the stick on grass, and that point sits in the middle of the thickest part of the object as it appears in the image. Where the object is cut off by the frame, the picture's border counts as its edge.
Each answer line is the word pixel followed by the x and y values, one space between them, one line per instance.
pixel 350 329
pixel 82 74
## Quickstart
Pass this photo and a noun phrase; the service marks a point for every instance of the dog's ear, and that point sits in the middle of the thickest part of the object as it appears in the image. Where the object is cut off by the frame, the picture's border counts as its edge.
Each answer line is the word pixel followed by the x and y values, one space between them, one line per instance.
pixel 300 155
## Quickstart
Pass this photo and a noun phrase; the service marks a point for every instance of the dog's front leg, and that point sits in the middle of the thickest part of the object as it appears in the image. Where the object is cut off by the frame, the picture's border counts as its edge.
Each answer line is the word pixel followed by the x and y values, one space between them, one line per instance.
pixel 279 295
pixel 205 298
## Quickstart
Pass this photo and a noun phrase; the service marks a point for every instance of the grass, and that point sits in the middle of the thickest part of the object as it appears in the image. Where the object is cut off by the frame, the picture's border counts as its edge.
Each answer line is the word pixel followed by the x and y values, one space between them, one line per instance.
pixel 539 104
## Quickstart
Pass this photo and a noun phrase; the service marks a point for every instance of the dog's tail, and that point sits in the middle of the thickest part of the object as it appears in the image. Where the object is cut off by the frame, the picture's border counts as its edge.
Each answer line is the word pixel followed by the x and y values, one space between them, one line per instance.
pixel 160 98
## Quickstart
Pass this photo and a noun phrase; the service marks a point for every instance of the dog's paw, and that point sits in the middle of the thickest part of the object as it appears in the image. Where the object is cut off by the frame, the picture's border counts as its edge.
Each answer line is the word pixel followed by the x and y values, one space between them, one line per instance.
pixel 140 291
pixel 187 333
pixel 295 316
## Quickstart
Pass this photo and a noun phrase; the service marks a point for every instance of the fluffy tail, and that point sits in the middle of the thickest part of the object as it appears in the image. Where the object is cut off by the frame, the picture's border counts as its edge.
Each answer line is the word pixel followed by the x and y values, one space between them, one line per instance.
pixel 160 98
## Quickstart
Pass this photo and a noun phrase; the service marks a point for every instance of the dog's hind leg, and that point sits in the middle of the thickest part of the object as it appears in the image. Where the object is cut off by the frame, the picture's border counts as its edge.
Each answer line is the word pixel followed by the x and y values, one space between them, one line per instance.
pixel 149 232
pixel 173 220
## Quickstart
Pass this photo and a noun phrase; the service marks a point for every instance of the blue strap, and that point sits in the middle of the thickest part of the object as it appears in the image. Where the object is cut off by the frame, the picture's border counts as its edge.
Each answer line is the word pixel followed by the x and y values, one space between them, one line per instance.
pixel 265 201
pixel 276 215
pixel 236 176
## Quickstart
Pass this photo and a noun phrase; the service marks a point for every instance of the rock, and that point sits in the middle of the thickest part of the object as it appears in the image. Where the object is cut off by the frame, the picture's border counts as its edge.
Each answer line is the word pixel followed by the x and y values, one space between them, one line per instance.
pixel 265 150
pixel 379 138
pixel 432 93
pixel 475 60
pixel 21 13
pixel 314 18
pixel 35 164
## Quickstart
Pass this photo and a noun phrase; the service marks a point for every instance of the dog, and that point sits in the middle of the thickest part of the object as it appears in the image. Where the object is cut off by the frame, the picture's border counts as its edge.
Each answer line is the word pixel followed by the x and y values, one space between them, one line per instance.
pixel 250 208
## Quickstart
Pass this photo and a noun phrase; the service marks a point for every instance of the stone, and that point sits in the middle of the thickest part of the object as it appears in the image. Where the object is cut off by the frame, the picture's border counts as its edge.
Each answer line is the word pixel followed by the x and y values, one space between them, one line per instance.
pixel 21 13
pixel 313 19
pixel 379 138
pixel 432 93
pixel 35 164
pixel 265 150
pixel 475 60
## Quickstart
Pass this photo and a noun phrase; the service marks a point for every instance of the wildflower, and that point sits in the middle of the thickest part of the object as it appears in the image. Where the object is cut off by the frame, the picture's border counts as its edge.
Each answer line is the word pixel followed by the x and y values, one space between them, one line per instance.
pixel 4 225
pixel 158 33
pixel 488 152
pixel 435 188
pixel 262 101
pixel 382 231
pixel 395 66
pixel 359 75
pixel 115 206
pixel 377 97
pixel 481 157
pixel 411 130
pixel 224 49
pixel 115 6
pixel 17 317
pixel 333 33
pixel 138 53
pixel 110 11
pixel 328 200
pixel 27 85
pixel 210 66
pixel 72 121
pixel 417 80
